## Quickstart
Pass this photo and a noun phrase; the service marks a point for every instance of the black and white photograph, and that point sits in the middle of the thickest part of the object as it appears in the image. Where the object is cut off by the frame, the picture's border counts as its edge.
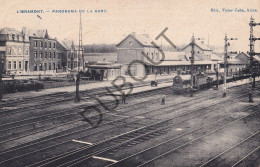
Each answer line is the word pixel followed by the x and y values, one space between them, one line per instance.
pixel 130 83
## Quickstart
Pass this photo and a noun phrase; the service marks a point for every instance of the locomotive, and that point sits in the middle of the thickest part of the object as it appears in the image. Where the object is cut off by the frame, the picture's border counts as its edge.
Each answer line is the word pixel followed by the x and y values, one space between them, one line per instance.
pixel 182 83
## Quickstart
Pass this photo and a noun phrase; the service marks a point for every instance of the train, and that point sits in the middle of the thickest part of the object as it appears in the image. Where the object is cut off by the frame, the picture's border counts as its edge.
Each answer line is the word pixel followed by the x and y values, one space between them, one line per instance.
pixel 182 82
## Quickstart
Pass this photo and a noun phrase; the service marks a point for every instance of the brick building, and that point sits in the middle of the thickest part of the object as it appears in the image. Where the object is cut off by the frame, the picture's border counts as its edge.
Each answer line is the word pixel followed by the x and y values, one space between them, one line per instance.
pixel 14 50
pixel 44 57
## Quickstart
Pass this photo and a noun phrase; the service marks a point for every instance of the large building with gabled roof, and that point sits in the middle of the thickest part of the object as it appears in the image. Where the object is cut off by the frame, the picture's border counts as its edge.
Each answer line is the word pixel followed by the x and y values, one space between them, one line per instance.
pixel 132 48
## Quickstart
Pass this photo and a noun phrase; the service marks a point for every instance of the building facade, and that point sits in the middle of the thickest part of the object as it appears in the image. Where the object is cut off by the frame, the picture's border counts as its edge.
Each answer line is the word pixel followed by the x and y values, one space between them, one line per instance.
pixel 72 59
pixel 44 57
pixel 201 50
pixel 14 50
pixel 133 48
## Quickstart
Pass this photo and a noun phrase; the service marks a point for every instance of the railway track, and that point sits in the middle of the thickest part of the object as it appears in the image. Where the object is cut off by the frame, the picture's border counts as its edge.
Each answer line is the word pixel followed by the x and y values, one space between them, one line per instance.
pixel 60 115
pixel 88 152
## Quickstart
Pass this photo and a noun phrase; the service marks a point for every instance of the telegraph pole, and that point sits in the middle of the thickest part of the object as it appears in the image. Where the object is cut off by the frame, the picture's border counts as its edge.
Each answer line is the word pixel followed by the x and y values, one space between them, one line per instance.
pixel 77 98
pixel 252 40
pixel 225 62
pixel 1 73
pixel 192 62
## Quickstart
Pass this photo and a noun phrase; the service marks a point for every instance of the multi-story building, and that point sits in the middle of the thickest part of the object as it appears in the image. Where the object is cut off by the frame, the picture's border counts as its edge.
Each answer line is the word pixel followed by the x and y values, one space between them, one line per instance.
pixel 201 50
pixel 14 50
pixel 133 47
pixel 72 60
pixel 44 57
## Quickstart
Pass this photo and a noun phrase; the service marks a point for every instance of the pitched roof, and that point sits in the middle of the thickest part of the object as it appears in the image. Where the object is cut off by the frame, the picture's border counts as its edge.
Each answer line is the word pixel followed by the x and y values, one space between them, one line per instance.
pixel 175 56
pixel 67 44
pixel 201 46
pixel 143 39
pixel 40 33
pixel 215 57
pixel 8 30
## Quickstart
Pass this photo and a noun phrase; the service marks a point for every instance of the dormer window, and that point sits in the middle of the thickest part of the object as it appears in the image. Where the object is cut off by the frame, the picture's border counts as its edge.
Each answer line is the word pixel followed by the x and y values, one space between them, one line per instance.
pixel 13 37
pixel 17 37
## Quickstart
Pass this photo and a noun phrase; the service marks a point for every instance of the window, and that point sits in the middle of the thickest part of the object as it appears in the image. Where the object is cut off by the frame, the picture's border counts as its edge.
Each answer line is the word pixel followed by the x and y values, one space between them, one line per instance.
pixel 40 66
pixel 35 67
pixel 49 54
pixel 45 44
pixel 35 54
pixel 14 64
pixel 27 52
pixel 41 44
pixel 45 66
pixel 9 64
pixel 152 56
pixel 54 45
pixel 13 37
pixel 54 66
pixel 49 44
pixel 49 66
pixel 54 55
pixel 20 64
pixel 58 56
pixel 17 37
pixel 40 54
pixel 46 54
pixel 58 65
pixel 35 43
pixel 9 51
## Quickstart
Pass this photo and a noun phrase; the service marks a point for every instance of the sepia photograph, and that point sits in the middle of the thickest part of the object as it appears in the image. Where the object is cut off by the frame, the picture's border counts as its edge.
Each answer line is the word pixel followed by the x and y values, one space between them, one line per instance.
pixel 140 83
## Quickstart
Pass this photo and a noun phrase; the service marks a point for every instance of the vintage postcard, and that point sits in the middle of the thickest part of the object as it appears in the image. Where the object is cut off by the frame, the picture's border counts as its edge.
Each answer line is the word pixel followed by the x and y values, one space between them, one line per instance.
pixel 155 83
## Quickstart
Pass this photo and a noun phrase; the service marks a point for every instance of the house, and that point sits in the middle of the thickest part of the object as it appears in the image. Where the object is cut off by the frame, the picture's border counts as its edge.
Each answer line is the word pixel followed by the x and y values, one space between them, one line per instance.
pixel 14 51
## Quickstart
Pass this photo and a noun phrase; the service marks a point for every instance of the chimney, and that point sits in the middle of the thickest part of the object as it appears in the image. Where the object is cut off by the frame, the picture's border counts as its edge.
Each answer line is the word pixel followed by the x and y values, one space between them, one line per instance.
pixel 24 30
pixel 134 34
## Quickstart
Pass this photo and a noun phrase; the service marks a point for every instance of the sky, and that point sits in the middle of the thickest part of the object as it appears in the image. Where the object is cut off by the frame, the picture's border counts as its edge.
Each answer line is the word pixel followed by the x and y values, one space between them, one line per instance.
pixel 182 18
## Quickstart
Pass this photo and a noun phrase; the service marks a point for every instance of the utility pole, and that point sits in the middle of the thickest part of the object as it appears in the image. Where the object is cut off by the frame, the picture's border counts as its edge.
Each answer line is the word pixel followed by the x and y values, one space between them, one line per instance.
pixel 225 62
pixel 1 73
pixel 192 63
pixel 77 98
pixel 252 40
pixel 80 46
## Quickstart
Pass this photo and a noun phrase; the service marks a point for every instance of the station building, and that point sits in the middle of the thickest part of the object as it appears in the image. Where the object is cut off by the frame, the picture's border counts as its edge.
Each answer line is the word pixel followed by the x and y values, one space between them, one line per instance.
pixel 133 47
pixel 14 51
